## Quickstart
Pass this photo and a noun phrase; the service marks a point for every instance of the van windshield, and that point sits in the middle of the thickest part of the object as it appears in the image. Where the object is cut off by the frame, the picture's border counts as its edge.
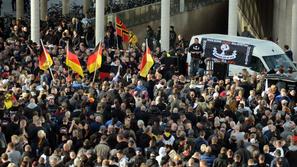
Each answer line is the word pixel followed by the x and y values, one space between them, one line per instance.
pixel 274 61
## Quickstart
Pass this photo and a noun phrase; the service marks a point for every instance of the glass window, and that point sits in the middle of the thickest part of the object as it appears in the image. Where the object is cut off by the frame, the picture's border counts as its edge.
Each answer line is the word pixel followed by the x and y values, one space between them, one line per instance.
pixel 257 65
pixel 274 61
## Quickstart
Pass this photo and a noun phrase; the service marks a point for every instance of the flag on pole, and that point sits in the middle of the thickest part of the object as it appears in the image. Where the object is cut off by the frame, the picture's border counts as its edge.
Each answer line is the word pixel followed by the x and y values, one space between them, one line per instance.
pixel 95 59
pixel 45 60
pixel 122 30
pixel 73 62
pixel 147 62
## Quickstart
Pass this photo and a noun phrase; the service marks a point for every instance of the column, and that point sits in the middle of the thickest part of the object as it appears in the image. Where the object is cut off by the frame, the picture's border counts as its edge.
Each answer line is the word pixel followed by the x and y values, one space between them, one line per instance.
pixel 35 21
pixel 99 26
pixel 165 24
pixel 294 30
pixel 86 7
pixel 19 9
pixel 65 7
pixel 233 17
pixel 288 22
pixel 282 23
pixel 275 19
pixel 43 9
pixel 181 5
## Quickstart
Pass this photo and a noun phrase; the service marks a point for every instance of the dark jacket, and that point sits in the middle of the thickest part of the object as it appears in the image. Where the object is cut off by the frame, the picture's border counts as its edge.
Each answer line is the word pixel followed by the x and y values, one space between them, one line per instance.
pixel 291 155
pixel 221 161
pixel 244 154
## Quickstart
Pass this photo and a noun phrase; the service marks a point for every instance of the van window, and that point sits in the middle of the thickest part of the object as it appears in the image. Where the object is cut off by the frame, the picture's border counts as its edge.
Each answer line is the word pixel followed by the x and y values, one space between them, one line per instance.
pixel 257 65
pixel 274 61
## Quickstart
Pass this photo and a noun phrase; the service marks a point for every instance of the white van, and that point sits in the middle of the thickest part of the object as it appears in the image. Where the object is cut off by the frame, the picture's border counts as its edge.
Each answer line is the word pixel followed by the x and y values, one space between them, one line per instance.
pixel 239 52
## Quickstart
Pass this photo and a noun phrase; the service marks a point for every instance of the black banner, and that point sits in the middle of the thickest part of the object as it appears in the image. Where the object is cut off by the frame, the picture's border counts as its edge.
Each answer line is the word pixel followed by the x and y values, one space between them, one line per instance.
pixel 227 51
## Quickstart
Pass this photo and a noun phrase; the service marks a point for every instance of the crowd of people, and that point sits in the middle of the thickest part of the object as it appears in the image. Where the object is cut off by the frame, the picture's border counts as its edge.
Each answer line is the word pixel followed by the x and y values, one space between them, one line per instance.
pixel 167 119
pixel 118 5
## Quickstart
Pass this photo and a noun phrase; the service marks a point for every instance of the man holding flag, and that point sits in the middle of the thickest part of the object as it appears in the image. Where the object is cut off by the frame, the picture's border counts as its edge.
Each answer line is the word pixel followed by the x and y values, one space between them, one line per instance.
pixel 147 62
pixel 45 60
pixel 73 62
pixel 95 59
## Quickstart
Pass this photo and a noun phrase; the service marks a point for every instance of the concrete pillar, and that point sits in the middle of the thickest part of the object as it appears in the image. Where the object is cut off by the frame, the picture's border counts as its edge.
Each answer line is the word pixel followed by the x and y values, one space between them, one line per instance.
pixel 294 30
pixel 99 32
pixel 275 19
pixel 289 22
pixel 165 24
pixel 86 7
pixel 35 21
pixel 181 5
pixel 282 22
pixel 19 9
pixel 43 9
pixel 233 17
pixel 65 7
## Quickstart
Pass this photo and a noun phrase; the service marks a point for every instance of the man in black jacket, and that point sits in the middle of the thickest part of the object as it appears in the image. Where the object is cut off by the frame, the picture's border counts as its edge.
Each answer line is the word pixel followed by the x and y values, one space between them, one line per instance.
pixel 196 51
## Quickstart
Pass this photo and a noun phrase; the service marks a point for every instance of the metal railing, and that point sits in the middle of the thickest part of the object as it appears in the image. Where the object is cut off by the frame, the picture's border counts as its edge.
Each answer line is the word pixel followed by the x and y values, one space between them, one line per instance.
pixel 246 21
pixel 151 12
pixel 250 12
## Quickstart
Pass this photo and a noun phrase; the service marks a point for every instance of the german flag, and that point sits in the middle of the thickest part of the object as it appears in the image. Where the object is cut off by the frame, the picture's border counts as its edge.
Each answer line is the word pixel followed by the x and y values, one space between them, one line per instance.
pixel 146 63
pixel 45 60
pixel 122 30
pixel 73 62
pixel 95 60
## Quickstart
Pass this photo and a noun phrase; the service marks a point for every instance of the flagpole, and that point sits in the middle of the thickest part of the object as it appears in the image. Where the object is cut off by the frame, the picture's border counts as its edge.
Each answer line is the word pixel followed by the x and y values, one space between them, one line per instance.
pixel 115 23
pixel 47 60
pixel 96 63
pixel 146 46
pixel 67 43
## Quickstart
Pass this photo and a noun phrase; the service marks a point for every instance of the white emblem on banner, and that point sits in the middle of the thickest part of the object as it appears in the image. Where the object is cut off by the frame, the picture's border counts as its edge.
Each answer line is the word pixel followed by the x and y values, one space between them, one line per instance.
pixel 223 55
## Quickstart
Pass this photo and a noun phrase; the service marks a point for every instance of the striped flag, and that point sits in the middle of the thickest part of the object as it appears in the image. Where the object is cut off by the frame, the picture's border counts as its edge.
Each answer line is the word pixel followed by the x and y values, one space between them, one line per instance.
pixel 73 62
pixel 146 63
pixel 122 30
pixel 45 60
pixel 95 60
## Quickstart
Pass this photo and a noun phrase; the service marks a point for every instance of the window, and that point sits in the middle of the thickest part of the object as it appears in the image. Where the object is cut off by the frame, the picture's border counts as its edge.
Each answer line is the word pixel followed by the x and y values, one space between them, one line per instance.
pixel 274 61
pixel 257 65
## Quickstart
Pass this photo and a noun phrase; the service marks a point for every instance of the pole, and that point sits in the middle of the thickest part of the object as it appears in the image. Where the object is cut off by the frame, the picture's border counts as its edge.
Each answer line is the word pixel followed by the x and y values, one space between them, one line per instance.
pixel 43 9
pixel 19 9
pixel 146 46
pixel 47 60
pixel 289 22
pixel 233 17
pixel 96 62
pixel 99 32
pixel 181 6
pixel 275 19
pixel 294 30
pixel 35 21
pixel 165 23
pixel 67 46
pixel 115 25
pixel 282 23
pixel 86 7
pixel 65 7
